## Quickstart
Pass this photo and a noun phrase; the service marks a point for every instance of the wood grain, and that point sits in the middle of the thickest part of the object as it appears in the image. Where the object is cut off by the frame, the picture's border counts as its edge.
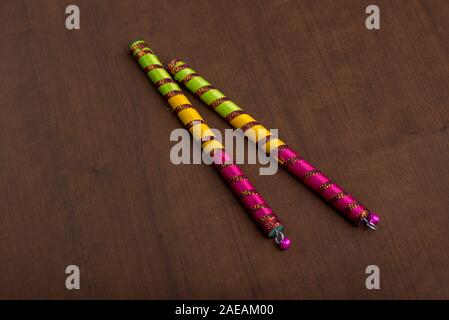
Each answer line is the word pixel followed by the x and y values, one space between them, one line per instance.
pixel 86 179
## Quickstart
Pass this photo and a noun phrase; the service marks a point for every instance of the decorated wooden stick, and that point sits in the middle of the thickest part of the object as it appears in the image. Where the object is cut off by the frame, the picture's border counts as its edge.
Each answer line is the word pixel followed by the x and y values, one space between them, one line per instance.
pixel 257 207
pixel 287 157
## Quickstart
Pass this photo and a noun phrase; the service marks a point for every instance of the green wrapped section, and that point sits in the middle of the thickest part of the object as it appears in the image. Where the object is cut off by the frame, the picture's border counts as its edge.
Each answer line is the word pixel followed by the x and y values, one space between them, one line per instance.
pixel 226 108
pixel 144 61
pixel 211 95
pixel 166 88
pixel 158 74
pixel 183 73
pixel 208 97
pixel 197 83
pixel 149 59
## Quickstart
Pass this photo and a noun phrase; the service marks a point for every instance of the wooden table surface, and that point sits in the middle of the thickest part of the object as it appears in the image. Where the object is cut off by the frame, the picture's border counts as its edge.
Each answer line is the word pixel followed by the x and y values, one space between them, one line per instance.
pixel 86 178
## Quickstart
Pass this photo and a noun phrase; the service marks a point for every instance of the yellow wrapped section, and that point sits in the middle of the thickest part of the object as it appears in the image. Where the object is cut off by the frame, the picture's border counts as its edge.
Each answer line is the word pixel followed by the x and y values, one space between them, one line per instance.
pixel 272 145
pixel 242 120
pixel 189 115
pixel 257 133
pixel 178 100
pixel 200 131
pixel 211 145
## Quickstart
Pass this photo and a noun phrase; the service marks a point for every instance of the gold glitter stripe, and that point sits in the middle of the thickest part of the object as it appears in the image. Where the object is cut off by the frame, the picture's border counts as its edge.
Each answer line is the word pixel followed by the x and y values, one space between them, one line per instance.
pixel 310 174
pixel 160 83
pixel 363 214
pixel 336 197
pixel 247 193
pixel 258 207
pixel 173 93
pixel 173 63
pixel 223 165
pixel 151 67
pixel 206 139
pixel 235 179
pixel 192 123
pixel 324 186
pixel 218 101
pixel 140 46
pixel 176 69
pixel 264 140
pixel 234 114
pixel 282 147
pixel 249 125
pixel 181 107
pixel 269 222
pixel 203 90
pixel 189 77
pixel 351 206
pixel 291 161
pixel 141 53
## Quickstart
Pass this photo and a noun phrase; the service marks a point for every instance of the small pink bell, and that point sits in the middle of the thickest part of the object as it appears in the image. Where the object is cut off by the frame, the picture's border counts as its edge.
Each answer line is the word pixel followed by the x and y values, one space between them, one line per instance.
pixel 372 221
pixel 285 244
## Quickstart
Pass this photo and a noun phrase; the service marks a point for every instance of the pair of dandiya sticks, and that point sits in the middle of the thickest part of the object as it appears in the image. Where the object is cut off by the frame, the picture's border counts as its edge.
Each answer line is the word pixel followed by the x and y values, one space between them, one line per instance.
pixel 255 204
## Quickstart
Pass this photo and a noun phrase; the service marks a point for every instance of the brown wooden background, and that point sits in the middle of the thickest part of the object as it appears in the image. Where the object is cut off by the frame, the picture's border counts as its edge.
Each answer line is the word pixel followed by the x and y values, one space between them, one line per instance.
pixel 85 175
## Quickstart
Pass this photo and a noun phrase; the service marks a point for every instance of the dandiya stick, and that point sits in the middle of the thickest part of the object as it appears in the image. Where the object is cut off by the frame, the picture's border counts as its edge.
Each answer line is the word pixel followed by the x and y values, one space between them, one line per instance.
pixel 255 204
pixel 332 193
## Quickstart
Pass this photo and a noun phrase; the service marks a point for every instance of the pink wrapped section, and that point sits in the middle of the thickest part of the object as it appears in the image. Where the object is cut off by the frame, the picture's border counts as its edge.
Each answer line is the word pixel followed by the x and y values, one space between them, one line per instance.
pixel 256 205
pixel 323 186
